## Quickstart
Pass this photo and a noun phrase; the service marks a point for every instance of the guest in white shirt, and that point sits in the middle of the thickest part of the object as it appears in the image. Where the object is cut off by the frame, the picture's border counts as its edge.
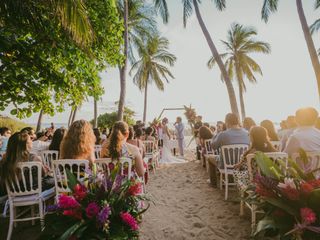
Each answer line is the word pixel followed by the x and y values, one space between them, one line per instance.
pixel 40 144
pixel 291 126
pixel 306 136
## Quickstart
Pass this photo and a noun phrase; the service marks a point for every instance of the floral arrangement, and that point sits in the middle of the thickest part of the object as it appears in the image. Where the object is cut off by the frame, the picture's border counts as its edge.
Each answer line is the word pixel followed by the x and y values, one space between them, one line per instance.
pixel 106 207
pixel 191 115
pixel 290 199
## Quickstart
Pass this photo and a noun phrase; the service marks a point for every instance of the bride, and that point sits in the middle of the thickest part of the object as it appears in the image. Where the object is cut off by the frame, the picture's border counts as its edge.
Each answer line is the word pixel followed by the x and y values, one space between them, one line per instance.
pixel 167 156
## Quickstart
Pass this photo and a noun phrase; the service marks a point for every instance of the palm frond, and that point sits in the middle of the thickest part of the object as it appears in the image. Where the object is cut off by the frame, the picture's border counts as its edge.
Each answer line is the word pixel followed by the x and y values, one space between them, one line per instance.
pixel 162 8
pixel 187 10
pixel 220 4
pixel 212 61
pixel 269 6
pixel 315 26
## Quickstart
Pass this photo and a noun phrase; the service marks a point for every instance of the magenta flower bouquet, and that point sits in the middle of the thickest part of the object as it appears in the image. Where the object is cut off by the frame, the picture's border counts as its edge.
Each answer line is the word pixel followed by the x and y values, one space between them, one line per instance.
pixel 104 207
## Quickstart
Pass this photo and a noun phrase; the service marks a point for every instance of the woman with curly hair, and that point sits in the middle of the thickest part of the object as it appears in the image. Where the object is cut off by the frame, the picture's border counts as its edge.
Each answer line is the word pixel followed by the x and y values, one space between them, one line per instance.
pixel 117 147
pixel 79 142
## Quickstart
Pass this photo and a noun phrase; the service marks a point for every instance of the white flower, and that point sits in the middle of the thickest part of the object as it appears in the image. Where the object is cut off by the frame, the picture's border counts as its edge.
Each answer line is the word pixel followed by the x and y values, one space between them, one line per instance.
pixel 288 182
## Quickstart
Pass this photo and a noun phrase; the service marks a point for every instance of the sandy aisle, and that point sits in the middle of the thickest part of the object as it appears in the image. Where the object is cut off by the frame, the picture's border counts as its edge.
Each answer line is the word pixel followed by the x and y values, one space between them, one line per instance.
pixel 186 207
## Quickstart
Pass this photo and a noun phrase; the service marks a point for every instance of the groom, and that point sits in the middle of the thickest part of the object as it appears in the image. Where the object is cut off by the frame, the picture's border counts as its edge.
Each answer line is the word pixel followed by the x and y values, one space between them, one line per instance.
pixel 180 134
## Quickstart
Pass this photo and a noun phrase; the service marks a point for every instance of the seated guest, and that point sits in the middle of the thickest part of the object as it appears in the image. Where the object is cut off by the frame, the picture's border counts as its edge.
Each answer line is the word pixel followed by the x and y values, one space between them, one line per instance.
pixel 117 147
pixel 30 133
pixel 269 126
pixel 57 139
pixel 248 122
pixel 136 141
pixel 283 128
pixel 78 142
pixel 318 123
pixel 40 144
pixel 98 136
pixel 291 126
pixel 19 146
pixel 148 135
pixel 306 136
pixel 205 133
pixel 233 135
pixel 5 134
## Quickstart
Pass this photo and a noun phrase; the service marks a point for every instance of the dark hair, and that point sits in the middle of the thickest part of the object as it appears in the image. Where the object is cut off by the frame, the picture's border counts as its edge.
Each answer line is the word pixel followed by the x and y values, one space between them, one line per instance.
pixel 3 130
pixel 97 135
pixel 40 134
pixel 131 133
pixel 57 139
pixel 259 140
pixel 248 122
pixel 206 124
pixel 231 119
pixel 268 125
pixel 114 148
pixel 149 131
pixel 16 151
pixel 306 116
pixel 205 133
pixel 138 133
pixel 27 129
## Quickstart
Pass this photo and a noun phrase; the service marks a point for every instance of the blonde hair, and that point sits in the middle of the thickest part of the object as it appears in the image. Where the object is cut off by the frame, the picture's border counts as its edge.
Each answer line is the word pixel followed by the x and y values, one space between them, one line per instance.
pixel 78 142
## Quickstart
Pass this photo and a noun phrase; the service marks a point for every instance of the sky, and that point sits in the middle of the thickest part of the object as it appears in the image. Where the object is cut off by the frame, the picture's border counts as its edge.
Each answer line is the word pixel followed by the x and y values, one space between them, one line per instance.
pixel 288 80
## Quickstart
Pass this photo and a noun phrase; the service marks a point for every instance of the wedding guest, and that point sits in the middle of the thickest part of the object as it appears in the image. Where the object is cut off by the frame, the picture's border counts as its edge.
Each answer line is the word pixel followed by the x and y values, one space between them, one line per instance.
pixel 248 122
pixel 78 142
pixel 136 141
pixel 283 128
pixel 318 123
pixel 198 124
pixel 19 146
pixel 306 136
pixel 269 126
pixel 30 132
pixel 57 139
pixel 292 125
pixel 5 134
pixel 233 135
pixel 98 136
pixel 213 129
pixel 117 147
pixel 205 133
pixel 104 135
pixel 148 135
pixel 40 144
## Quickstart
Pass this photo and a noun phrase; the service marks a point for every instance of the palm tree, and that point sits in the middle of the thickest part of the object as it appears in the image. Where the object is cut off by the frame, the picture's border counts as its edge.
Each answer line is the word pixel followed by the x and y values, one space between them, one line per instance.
pixel 138 23
pixel 188 6
pixel 151 66
pixel 240 43
pixel 270 6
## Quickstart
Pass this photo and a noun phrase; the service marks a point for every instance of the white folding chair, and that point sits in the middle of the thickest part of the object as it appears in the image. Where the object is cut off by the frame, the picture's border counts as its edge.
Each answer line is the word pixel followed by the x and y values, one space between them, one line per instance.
pixel 97 151
pixel 75 166
pixel 252 170
pixel 25 190
pixel 313 161
pixel 48 156
pixel 209 152
pixel 276 145
pixel 231 155
pixel 151 156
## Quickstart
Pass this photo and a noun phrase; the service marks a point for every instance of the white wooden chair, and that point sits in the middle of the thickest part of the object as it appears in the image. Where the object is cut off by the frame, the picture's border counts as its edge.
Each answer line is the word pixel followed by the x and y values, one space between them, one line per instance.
pixel 151 155
pixel 313 161
pixel 25 190
pixel 252 170
pixel 48 156
pixel 209 152
pixel 97 151
pixel 231 155
pixel 75 166
pixel 276 145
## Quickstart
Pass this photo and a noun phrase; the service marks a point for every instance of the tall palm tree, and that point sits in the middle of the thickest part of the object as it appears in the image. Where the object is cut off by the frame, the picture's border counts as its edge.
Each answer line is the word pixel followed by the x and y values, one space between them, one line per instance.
pixel 188 6
pixel 151 66
pixel 270 6
pixel 138 23
pixel 239 45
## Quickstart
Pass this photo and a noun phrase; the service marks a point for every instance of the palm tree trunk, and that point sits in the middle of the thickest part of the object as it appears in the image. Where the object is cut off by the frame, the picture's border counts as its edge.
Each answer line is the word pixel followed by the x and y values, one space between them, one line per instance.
pixel 70 117
pixel 145 103
pixel 243 110
pixel 123 69
pixel 95 117
pixel 310 43
pixel 39 121
pixel 215 54
pixel 74 114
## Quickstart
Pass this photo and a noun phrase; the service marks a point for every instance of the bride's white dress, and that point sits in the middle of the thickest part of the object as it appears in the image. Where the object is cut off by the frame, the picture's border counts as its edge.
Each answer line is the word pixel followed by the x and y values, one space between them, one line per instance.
pixel 167 156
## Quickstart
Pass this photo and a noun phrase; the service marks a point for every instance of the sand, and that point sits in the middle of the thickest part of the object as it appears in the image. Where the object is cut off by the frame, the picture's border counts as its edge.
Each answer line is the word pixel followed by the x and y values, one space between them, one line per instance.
pixel 187 207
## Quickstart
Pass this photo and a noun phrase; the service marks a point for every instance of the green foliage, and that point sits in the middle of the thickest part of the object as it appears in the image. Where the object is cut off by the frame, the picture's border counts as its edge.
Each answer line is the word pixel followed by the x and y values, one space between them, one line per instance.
pixel 108 119
pixel 12 124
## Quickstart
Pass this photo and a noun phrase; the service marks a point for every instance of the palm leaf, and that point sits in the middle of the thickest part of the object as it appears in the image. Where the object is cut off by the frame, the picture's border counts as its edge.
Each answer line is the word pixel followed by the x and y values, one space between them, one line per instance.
pixel 269 6
pixel 162 8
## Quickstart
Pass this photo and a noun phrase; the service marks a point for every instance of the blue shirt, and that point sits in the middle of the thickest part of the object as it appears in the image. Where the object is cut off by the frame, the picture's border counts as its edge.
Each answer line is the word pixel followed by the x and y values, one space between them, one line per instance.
pixel 4 144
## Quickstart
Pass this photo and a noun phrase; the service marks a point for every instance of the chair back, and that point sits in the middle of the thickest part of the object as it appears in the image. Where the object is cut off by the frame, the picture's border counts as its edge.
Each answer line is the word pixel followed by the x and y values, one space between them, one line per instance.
pixel 26 180
pixel 231 154
pixel 48 156
pixel 313 161
pixel 208 147
pixel 276 145
pixel 97 151
pixel 75 166
pixel 276 157
pixel 106 165
pixel 149 147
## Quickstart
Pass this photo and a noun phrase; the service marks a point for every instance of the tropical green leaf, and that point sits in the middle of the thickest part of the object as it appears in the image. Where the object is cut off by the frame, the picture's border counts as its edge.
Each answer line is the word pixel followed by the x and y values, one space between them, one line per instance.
pixel 283 205
pixel 72 180
pixel 71 231
pixel 265 224
pixel 267 166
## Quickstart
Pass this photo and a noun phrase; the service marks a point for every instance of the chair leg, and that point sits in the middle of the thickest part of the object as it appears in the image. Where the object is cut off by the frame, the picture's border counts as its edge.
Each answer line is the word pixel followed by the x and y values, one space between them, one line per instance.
pixel 221 181
pixel 253 217
pixel 226 185
pixel 41 214
pixel 241 204
pixel 10 221
pixel 32 215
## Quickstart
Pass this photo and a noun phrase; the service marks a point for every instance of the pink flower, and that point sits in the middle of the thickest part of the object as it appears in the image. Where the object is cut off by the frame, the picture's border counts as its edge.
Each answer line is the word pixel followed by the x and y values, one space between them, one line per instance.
pixel 92 210
pixel 307 215
pixel 76 213
pixel 80 192
pixel 135 189
pixel 291 193
pixel 128 219
pixel 306 188
pixel 288 183
pixel 67 202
